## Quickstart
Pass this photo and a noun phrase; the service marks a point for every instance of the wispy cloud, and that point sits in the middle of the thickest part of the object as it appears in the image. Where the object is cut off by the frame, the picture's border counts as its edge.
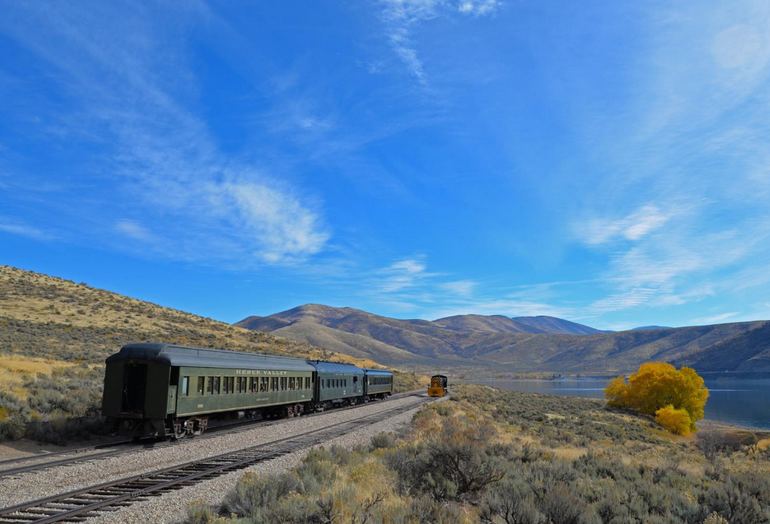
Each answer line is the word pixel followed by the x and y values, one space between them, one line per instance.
pixel 633 226
pixel 402 274
pixel 408 286
pixel 463 288
pixel 402 19
pixel 687 218
pixel 714 319
pixel 199 203
pixel 134 230
pixel 16 227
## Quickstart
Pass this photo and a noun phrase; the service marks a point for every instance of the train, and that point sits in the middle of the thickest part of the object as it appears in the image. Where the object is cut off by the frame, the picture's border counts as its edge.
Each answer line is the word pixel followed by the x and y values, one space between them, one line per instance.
pixel 439 386
pixel 172 391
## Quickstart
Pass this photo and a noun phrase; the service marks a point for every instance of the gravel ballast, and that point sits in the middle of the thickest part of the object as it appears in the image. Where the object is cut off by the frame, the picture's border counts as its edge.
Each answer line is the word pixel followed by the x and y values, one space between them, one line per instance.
pixel 35 485
pixel 172 507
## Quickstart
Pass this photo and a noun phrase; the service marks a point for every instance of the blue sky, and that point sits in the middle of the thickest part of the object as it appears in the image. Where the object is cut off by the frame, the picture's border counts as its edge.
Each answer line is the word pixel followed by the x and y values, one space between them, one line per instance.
pixel 606 162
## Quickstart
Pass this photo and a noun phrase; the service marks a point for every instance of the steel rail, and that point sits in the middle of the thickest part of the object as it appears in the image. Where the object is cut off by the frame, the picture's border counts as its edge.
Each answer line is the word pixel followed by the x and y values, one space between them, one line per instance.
pixel 213 431
pixel 109 496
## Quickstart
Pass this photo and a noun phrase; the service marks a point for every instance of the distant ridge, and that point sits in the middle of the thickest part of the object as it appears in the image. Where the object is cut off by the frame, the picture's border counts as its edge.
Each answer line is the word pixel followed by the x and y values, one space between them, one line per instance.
pixel 554 325
pixel 538 343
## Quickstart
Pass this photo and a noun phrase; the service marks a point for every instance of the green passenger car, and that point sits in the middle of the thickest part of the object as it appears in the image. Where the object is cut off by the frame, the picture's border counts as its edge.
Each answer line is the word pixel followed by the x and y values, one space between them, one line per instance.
pixel 378 383
pixel 163 389
pixel 339 383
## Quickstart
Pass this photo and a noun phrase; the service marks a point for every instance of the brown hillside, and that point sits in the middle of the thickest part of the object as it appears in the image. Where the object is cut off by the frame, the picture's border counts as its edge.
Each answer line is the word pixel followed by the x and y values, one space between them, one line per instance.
pixel 502 344
pixel 52 318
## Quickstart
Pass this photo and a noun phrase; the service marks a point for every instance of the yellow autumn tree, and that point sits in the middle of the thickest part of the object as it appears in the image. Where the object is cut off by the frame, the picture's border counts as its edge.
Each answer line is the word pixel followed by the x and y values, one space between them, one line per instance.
pixel 658 386
pixel 677 421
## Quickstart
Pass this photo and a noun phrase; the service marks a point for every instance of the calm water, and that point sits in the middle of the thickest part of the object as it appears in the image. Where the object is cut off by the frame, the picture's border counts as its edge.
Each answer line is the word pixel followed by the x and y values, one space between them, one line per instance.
pixel 743 401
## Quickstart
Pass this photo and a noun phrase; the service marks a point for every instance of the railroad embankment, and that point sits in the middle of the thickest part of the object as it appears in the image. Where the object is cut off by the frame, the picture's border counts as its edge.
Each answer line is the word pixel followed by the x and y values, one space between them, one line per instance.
pixel 489 455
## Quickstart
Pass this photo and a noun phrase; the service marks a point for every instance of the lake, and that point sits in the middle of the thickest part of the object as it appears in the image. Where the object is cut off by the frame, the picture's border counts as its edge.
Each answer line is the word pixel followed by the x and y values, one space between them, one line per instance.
pixel 744 401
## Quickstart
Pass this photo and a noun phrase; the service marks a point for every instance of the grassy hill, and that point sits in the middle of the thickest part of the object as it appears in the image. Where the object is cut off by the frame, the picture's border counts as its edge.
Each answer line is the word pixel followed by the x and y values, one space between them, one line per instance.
pixel 55 335
pixel 502 343
pixel 52 318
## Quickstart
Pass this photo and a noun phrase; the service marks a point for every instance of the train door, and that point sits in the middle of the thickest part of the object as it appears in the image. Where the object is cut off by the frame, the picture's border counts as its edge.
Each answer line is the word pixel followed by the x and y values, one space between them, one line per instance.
pixel 172 390
pixel 134 387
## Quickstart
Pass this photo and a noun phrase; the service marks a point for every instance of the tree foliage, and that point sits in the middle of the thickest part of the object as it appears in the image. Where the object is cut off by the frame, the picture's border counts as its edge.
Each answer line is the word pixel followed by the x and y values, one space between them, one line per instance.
pixel 677 398
pixel 676 421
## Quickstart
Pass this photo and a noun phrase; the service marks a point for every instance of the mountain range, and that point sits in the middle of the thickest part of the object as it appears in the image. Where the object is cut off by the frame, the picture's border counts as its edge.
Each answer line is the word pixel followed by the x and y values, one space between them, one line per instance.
pixel 538 343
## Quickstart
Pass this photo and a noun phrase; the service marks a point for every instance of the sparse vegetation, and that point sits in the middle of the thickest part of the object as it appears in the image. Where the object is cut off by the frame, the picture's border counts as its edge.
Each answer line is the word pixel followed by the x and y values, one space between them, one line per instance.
pixel 505 457
pixel 55 335
pixel 677 398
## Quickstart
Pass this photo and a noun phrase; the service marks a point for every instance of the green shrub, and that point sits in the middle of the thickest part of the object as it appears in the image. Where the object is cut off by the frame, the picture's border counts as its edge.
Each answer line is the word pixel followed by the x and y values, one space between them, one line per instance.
pixel 459 464
pixel 255 495
pixel 382 441
pixel 200 513
pixel 511 501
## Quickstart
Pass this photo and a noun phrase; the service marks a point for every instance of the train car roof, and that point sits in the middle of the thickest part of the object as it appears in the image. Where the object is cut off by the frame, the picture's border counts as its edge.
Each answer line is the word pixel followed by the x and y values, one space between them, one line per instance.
pixel 174 355
pixel 377 371
pixel 336 367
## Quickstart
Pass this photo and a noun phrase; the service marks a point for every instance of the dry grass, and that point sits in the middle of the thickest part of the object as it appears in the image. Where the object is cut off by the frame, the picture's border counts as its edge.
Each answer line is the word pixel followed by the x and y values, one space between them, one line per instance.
pixel 15 370
pixel 47 317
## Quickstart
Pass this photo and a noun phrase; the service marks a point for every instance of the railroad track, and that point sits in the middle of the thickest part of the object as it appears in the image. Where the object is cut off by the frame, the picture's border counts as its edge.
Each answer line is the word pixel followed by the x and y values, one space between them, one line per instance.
pixel 84 454
pixel 78 505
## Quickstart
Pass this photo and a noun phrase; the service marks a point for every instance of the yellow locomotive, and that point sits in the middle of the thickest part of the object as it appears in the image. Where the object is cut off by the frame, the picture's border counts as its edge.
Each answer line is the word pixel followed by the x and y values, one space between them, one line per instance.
pixel 438 386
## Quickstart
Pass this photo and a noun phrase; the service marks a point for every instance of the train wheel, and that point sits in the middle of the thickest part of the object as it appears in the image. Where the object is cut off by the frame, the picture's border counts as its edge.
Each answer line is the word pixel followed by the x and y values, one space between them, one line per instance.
pixel 179 432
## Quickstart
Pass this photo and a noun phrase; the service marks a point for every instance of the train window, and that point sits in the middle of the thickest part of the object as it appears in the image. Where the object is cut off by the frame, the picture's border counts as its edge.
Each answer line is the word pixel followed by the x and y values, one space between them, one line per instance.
pixel 217 385
pixel 201 387
pixel 210 385
pixel 253 384
pixel 355 379
pixel 229 384
pixel 242 384
pixel 307 382
pixel 264 382
pixel 292 383
pixel 283 383
pixel 185 386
